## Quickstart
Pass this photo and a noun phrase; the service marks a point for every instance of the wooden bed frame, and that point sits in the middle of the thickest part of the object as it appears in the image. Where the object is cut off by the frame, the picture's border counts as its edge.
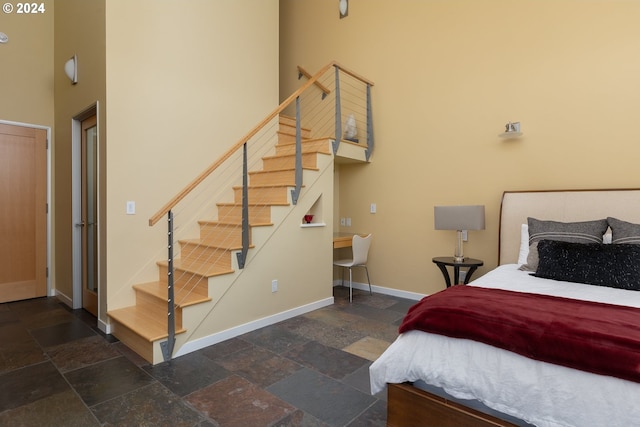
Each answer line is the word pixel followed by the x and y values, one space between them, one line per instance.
pixel 408 406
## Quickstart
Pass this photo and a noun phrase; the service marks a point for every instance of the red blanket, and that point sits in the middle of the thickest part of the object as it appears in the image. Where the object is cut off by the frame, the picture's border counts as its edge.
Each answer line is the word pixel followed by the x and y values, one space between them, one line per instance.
pixel 594 337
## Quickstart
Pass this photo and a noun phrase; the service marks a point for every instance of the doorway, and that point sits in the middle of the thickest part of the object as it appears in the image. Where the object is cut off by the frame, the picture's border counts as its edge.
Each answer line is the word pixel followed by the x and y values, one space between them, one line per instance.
pixel 88 223
pixel 23 212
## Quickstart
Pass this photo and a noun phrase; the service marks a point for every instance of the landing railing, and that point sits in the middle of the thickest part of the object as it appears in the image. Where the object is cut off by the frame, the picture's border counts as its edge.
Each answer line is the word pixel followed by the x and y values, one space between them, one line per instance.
pixel 326 103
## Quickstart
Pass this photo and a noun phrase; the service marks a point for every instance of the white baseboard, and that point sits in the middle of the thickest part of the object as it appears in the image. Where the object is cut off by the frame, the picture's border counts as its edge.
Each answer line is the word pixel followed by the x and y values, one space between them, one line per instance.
pixel 65 299
pixel 382 290
pixel 216 338
pixel 104 327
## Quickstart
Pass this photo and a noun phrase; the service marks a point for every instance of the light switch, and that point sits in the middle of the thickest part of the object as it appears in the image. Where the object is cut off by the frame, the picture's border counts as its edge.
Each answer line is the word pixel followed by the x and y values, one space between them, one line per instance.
pixel 131 208
pixel 373 208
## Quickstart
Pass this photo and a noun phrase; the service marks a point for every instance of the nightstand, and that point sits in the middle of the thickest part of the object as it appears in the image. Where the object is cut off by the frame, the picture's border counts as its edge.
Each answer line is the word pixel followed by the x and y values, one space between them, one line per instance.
pixel 447 261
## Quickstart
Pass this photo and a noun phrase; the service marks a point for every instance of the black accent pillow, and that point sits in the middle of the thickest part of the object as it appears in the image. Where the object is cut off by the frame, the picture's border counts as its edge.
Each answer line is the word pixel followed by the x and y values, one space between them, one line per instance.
pixel 615 266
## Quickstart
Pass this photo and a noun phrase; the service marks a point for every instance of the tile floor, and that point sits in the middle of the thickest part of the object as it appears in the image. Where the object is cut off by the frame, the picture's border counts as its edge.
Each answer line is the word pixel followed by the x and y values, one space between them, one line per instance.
pixel 57 369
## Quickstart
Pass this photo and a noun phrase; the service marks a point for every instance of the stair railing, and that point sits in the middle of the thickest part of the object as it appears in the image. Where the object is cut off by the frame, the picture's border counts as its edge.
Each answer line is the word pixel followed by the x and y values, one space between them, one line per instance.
pixel 325 121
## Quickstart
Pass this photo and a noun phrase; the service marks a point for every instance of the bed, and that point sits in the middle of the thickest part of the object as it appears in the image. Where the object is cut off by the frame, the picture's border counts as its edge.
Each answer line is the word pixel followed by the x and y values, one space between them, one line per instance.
pixel 436 377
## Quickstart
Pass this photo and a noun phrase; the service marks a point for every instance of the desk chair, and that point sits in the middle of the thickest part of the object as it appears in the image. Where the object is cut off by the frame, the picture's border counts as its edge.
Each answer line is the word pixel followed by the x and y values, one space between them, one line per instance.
pixel 360 247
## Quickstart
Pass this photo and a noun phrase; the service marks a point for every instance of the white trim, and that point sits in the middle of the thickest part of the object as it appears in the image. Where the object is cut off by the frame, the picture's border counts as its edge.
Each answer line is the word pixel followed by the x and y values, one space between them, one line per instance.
pixel 62 297
pixel 216 338
pixel 104 327
pixel 50 290
pixel 382 290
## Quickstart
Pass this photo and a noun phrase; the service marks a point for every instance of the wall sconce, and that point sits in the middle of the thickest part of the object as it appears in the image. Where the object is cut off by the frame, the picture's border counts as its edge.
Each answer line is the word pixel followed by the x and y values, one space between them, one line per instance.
pixel 458 218
pixel 343 6
pixel 71 69
pixel 511 130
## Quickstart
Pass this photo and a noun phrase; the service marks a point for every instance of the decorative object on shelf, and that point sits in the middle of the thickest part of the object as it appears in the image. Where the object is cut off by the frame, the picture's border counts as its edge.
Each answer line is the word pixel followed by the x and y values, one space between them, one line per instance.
pixel 350 129
pixel 511 130
pixel 307 218
pixel 459 218
pixel 71 69
pixel 343 6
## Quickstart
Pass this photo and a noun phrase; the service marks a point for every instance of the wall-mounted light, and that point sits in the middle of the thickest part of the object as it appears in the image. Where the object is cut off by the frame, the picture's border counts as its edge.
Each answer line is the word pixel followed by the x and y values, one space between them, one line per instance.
pixel 71 69
pixel 511 130
pixel 343 6
pixel 4 38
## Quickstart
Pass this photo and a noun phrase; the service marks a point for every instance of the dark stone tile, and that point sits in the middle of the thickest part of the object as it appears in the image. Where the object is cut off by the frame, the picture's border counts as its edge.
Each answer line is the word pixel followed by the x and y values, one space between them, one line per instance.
pixel 188 373
pixel 152 405
pixel 133 357
pixel 29 308
pixel 374 416
pixel 8 317
pixel 61 409
pixel 47 318
pixel 106 380
pixel 318 330
pixel 275 338
pixel 402 306
pixel 224 349
pixel 326 399
pixel 300 419
pixel 80 353
pixel 62 333
pixel 260 366
pixel 235 401
pixel 29 384
pixel 18 348
pixel 373 313
pixel 327 360
pixel 359 379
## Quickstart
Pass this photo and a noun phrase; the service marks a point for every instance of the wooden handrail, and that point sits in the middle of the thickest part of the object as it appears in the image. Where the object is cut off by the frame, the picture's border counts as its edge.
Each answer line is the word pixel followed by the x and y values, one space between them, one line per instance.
pixel 322 87
pixel 186 190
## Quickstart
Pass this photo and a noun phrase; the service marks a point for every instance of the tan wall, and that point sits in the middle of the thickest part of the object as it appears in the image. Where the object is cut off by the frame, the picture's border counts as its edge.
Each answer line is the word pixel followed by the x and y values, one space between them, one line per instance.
pixel 448 76
pixel 184 83
pixel 26 82
pixel 85 38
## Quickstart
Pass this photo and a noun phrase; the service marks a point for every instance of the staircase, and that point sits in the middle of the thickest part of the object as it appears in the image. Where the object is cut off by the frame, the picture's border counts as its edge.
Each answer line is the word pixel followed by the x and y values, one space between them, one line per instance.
pixel 144 325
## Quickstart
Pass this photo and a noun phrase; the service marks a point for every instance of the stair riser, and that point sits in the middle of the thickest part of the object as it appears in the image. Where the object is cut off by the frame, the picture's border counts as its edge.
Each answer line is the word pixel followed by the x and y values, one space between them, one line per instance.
pixel 157 306
pixel 132 340
pixel 309 161
pixel 192 252
pixel 185 280
pixel 233 213
pixel 319 146
pixel 263 195
pixel 286 177
pixel 226 236
pixel 289 137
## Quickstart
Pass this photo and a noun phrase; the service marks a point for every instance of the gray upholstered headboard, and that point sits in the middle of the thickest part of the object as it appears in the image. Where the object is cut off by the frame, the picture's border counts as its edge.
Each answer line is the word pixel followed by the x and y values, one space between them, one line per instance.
pixel 565 206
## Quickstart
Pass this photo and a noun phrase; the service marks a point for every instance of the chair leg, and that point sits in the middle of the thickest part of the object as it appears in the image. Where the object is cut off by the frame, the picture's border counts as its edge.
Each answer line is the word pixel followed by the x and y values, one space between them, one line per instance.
pixel 350 286
pixel 368 280
pixel 342 284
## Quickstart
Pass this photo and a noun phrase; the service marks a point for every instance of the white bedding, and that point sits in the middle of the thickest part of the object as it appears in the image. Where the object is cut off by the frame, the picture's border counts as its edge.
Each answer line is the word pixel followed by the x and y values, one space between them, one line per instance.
pixel 536 392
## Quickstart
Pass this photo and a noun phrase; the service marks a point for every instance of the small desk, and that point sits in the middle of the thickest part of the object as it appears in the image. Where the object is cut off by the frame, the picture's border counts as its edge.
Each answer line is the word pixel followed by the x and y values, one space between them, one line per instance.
pixel 343 240
pixel 470 263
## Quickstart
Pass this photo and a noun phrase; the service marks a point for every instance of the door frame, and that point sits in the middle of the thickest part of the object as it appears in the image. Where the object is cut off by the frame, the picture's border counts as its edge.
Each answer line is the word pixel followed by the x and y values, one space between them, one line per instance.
pixel 76 204
pixel 50 292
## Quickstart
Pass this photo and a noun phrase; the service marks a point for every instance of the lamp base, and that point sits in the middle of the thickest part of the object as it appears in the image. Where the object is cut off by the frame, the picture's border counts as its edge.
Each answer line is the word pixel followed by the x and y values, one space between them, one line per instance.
pixel 458 259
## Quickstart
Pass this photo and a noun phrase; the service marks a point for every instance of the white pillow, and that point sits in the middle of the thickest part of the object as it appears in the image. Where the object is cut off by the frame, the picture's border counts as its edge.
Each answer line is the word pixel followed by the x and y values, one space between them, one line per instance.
pixel 524 244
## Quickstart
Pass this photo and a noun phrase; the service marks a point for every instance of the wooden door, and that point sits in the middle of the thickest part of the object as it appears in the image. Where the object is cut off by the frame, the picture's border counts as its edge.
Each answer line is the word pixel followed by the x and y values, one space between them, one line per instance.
pixel 23 212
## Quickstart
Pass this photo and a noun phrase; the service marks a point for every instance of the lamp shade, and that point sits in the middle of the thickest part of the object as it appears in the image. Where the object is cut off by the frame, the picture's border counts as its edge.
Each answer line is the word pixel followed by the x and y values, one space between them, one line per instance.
pixel 459 217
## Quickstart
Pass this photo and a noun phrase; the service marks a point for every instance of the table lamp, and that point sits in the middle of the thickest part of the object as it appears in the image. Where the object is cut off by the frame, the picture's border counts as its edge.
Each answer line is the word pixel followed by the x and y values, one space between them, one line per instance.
pixel 459 218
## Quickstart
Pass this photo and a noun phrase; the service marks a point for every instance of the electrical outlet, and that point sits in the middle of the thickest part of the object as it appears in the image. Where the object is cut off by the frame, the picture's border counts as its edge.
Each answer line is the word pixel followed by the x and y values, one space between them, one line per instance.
pixel 348 222
pixel 343 222
pixel 274 285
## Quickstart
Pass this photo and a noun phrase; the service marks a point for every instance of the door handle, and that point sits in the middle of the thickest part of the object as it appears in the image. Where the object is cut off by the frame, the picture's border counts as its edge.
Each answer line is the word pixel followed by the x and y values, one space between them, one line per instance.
pixel 80 224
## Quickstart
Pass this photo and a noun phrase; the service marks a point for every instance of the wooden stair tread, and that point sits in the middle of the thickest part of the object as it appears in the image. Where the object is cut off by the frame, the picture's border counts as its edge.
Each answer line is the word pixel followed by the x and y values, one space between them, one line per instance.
pixel 213 222
pixel 280 170
pixel 182 297
pixel 142 322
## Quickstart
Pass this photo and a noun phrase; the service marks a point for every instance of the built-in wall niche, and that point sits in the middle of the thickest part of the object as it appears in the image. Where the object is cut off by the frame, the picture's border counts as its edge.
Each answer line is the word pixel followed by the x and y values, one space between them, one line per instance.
pixel 314 217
